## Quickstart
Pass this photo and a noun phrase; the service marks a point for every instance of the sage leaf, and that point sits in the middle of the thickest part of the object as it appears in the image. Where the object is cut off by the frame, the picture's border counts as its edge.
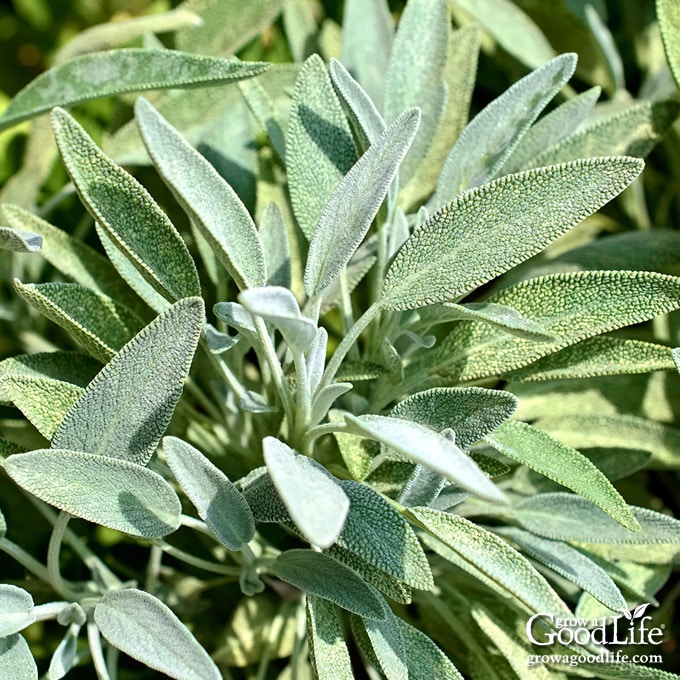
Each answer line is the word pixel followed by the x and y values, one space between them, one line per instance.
pixel 218 342
pixel 385 644
pixel 668 15
pixel 488 140
pixel 235 315
pixel 16 660
pixel 569 563
pixel 325 398
pixel 143 627
pixel 16 609
pixel 274 235
pixel 429 448
pixel 97 322
pixel 206 197
pixel 471 412
pixel 327 648
pixel 319 574
pixel 219 503
pixel 573 306
pixel 108 491
pixel 19 240
pixel 491 555
pixel 65 655
pixel 355 202
pixel 279 306
pixel 126 211
pixel 320 149
pixel 126 408
pixel 566 466
pixel 103 74
pixel 316 359
pixel 496 226
pixel 316 502
pixel 568 517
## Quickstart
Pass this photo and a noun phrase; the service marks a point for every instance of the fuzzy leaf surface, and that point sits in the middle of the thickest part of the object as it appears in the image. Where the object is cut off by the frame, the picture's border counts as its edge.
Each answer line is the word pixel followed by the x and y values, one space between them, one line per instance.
pixel 111 492
pixel 206 197
pixel 327 648
pixel 491 555
pixel 126 408
pixel 355 202
pixel 316 502
pixel 572 306
pixel 382 643
pixel 19 240
pixel 16 659
pixel 143 627
pixel 126 211
pixel 320 149
pixel 490 229
pixel 323 576
pixel 65 655
pixel 219 503
pixel 16 609
pixel 490 137
pixel 422 445
pixel 539 451
pixel 668 14
pixel 276 246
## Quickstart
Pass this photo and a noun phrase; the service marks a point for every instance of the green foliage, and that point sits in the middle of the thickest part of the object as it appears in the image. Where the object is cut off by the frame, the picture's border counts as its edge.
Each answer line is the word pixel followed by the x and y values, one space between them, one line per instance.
pixel 265 368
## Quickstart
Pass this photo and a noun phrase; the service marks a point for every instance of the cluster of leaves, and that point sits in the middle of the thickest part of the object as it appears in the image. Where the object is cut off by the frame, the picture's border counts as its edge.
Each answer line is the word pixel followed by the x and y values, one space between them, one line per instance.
pixel 354 397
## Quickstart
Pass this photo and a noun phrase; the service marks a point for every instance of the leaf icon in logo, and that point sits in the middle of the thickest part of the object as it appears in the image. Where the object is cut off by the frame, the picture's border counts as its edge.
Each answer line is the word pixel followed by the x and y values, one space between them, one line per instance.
pixel 627 614
pixel 639 611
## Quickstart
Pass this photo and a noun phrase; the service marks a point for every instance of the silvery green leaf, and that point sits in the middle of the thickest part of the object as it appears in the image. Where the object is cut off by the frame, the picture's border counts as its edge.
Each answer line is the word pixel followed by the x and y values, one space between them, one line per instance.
pixel 320 149
pixel 44 401
pixel 426 447
pixel 356 452
pixel 568 517
pixel 126 211
pixel 97 322
pixel 16 609
pixel 16 660
pixel 316 359
pixel 274 235
pixel 279 306
pixel 544 203
pixel 635 131
pixel 219 503
pixel 300 27
pixel 601 355
pixel 422 487
pixel 488 140
pixel 126 408
pixel 327 648
pixel 570 564
pixel 319 574
pixel 573 306
pixel 394 367
pixel 206 197
pixel 69 255
pixel 72 613
pixel 605 41
pixel 561 122
pixel 355 202
pixel 235 315
pixel 566 466
pixel 65 655
pixel 218 342
pixel 263 498
pixel 366 119
pixel 500 316
pixel 415 73
pixel 484 551
pixel 512 28
pixel 108 491
pixel 325 398
pixel 380 536
pixel 20 240
pixel 256 403
pixel 368 33
pixel 144 628
pixel 316 502
pixel 398 232
pixel 264 109
pixel 448 498
pixel 668 14
pixel 103 74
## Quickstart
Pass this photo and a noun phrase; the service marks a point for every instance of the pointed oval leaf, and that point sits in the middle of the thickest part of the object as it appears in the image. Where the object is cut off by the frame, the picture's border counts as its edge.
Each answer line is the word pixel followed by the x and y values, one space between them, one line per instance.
pixel 143 627
pixel 276 245
pixel 103 74
pixel 347 216
pixel 65 655
pixel 126 211
pixel 320 149
pixel 321 575
pixel 488 140
pixel 16 609
pixel 325 398
pixel 566 466
pixel 489 230
pixel 16 660
pixel 573 306
pixel 126 408
pixel 382 644
pixel 668 14
pixel 111 492
pixel 235 315
pixel 206 197
pixel 219 503
pixel 20 240
pixel 316 359
pixel 427 447
pixel 316 502
pixel 493 557
pixel 327 648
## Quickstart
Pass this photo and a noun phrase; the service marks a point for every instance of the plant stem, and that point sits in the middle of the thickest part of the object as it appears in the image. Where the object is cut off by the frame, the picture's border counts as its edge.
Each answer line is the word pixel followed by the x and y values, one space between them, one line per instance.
pixel 53 553
pixel 95 642
pixel 24 559
pixel 303 397
pixel 319 431
pixel 188 558
pixel 153 568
